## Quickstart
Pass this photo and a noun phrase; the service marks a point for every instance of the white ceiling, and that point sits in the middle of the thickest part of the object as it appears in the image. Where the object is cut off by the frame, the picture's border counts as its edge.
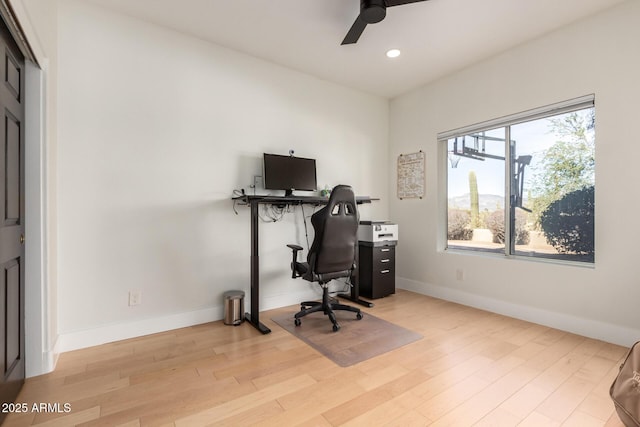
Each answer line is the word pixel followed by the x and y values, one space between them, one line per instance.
pixel 436 37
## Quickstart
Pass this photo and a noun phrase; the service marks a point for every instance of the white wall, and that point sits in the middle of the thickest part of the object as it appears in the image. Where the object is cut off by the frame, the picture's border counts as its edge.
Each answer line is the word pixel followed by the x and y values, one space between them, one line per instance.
pixel 599 55
pixel 155 131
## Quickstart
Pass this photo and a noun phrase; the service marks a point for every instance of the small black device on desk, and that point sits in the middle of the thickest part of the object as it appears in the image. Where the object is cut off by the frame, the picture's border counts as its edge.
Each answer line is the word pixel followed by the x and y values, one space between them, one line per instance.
pixel 377 258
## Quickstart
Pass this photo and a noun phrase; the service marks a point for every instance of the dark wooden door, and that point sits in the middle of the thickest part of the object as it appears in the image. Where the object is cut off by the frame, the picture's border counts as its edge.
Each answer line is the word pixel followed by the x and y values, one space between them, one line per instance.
pixel 12 213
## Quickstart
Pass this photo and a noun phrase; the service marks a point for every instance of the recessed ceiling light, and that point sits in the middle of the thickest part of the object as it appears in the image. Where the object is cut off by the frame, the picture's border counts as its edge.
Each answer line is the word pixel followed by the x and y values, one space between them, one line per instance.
pixel 393 53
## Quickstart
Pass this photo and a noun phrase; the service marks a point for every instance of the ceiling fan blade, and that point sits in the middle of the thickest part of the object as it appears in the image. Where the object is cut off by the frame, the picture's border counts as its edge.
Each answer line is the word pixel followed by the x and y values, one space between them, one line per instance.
pixel 355 31
pixel 391 3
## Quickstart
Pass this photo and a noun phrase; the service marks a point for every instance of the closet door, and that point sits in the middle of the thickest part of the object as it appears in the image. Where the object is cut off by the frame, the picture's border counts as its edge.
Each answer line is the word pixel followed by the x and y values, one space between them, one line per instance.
pixel 12 232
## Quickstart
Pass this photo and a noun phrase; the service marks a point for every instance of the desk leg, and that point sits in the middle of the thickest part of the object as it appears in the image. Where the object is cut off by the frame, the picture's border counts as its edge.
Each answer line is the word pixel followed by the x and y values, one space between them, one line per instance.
pixel 355 288
pixel 254 316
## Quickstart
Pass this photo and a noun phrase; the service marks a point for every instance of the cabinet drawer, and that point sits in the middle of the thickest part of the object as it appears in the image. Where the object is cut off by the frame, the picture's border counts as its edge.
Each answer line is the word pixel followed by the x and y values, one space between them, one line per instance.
pixel 384 257
pixel 378 257
pixel 383 274
pixel 385 283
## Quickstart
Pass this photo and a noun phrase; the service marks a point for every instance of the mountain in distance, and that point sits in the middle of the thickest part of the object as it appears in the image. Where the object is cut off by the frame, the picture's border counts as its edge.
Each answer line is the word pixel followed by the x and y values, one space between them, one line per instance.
pixel 489 202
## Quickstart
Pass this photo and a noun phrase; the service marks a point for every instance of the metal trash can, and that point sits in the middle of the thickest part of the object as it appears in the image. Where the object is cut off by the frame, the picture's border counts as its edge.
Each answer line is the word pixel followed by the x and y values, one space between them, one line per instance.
pixel 233 307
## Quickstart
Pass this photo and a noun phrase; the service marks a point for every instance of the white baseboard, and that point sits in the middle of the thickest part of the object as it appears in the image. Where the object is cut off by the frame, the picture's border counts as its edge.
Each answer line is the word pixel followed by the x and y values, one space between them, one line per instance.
pixel 121 331
pixel 50 358
pixel 47 364
pixel 309 292
pixel 586 327
pixel 607 332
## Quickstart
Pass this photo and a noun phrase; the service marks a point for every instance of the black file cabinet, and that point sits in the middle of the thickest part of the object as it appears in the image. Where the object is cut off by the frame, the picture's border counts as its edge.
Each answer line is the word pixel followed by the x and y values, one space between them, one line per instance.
pixel 377 269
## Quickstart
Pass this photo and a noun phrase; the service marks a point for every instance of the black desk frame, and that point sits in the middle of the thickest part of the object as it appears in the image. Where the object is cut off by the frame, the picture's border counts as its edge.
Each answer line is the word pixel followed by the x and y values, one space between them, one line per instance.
pixel 254 201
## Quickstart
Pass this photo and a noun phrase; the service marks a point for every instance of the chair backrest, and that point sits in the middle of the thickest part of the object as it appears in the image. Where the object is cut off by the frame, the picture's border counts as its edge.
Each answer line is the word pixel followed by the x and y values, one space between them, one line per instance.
pixel 332 253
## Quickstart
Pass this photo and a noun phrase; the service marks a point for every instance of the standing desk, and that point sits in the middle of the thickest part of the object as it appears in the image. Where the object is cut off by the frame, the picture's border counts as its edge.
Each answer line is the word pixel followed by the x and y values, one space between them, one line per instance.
pixel 254 201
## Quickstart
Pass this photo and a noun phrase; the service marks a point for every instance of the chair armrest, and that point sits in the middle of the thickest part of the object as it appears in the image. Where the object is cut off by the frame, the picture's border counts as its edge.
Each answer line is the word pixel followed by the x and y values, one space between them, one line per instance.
pixel 295 249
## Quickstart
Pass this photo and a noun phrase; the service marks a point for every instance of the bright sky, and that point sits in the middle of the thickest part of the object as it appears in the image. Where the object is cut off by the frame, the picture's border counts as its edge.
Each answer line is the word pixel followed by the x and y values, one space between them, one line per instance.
pixel 532 138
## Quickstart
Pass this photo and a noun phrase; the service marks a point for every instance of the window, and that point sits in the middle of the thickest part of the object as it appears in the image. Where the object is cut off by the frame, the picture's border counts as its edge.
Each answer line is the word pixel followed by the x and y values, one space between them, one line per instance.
pixel 535 172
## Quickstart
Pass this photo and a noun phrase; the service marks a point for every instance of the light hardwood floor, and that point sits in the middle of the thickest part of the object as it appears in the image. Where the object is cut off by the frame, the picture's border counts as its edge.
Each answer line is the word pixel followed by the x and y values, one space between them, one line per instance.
pixel 471 368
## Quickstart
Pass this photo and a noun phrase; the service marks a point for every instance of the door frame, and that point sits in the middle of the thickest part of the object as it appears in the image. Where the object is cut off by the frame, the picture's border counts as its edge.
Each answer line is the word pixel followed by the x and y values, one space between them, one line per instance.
pixel 40 357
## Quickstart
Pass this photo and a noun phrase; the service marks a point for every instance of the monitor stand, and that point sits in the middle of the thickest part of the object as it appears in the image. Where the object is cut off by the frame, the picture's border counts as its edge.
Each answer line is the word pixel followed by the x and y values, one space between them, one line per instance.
pixel 288 193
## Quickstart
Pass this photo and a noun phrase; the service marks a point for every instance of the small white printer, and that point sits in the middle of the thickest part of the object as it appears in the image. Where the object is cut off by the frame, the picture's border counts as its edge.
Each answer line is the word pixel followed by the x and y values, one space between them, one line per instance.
pixel 377 232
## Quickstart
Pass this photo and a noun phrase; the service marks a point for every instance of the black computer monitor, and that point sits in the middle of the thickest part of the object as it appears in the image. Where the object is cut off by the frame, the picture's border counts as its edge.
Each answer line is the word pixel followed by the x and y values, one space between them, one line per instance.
pixel 289 173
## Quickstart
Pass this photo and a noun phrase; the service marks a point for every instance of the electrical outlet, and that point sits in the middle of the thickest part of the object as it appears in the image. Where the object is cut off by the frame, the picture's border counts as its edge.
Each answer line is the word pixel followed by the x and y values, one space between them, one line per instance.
pixel 459 274
pixel 135 298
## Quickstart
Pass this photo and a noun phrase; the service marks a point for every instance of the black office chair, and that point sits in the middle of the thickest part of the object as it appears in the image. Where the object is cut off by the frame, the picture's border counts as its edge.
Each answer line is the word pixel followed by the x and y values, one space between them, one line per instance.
pixel 332 254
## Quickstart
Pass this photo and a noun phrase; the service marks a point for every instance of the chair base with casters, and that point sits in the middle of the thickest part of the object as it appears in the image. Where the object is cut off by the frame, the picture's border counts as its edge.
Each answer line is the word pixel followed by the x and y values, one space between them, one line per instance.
pixel 327 306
